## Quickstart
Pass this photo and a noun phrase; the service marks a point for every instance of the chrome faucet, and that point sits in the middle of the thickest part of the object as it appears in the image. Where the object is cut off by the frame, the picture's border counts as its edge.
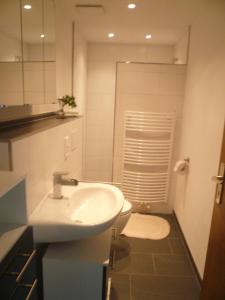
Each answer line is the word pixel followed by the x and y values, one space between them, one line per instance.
pixel 58 181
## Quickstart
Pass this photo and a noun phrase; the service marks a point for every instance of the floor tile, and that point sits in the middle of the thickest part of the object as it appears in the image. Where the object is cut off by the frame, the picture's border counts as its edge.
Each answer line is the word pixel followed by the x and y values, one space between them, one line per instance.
pixel 172 265
pixel 135 263
pixel 153 269
pixel 120 288
pixel 162 287
pixel 148 246
pixel 177 247
pixel 121 248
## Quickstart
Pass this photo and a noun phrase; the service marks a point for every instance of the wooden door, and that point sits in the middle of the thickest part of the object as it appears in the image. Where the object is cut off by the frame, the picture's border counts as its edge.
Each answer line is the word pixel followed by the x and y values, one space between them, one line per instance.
pixel 213 287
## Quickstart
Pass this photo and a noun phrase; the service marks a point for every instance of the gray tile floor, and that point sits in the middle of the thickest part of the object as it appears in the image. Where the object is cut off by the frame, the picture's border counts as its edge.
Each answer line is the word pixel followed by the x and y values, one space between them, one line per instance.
pixel 153 270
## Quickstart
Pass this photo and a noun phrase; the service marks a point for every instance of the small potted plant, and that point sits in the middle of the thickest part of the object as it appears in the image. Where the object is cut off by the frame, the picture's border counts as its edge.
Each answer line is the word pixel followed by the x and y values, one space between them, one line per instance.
pixel 66 100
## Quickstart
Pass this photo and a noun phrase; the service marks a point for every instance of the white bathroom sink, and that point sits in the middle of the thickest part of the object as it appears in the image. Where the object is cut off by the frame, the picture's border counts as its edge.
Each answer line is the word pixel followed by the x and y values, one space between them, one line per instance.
pixel 85 210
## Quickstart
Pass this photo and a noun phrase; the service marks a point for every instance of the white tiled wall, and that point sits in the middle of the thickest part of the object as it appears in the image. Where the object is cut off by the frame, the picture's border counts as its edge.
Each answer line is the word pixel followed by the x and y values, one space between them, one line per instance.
pixel 102 60
pixel 147 87
pixel 41 154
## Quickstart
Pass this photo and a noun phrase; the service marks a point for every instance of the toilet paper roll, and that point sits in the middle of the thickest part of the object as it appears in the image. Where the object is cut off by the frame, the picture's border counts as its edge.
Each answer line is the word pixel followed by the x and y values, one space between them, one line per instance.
pixel 181 167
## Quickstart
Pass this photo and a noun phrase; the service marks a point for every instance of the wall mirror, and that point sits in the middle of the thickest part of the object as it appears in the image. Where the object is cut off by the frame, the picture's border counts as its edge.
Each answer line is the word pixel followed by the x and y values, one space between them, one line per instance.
pixel 11 76
pixel 27 52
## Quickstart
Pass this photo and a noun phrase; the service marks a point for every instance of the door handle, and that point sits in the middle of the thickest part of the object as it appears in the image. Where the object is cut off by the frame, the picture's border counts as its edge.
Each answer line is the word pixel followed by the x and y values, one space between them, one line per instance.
pixel 218 179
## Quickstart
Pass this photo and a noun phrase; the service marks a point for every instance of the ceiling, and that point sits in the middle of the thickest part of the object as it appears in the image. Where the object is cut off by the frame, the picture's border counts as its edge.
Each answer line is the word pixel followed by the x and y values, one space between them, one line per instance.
pixel 165 20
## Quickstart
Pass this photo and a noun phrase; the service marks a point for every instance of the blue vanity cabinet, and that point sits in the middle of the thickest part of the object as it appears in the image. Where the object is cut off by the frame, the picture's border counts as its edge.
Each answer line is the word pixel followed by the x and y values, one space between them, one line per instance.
pixel 18 270
pixel 77 270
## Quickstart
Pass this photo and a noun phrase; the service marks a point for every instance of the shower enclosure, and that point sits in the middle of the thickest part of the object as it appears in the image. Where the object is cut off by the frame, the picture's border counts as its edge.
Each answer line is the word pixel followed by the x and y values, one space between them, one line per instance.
pixel 113 89
pixel 147 120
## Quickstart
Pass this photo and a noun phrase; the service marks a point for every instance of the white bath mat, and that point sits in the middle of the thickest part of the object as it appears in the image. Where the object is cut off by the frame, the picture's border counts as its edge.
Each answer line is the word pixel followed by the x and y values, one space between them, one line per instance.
pixel 146 227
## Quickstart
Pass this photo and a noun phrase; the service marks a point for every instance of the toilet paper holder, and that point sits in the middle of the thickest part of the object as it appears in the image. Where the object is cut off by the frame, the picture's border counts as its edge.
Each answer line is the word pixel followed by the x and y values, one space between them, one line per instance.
pixel 181 166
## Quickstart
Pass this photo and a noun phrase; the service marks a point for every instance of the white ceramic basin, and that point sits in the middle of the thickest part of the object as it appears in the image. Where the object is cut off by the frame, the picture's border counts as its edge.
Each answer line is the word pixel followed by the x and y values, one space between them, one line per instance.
pixel 85 210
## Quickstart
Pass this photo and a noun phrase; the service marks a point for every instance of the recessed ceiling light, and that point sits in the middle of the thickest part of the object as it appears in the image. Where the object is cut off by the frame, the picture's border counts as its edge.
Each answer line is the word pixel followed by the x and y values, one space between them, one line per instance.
pixel 27 6
pixel 131 5
pixel 111 35
pixel 148 36
pixel 42 35
pixel 128 62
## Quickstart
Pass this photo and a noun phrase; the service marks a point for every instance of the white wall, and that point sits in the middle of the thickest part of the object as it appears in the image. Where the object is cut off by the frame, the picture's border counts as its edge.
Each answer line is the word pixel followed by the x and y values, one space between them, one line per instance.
pixel 101 87
pixel 80 70
pixel 80 77
pixel 181 49
pixel 203 122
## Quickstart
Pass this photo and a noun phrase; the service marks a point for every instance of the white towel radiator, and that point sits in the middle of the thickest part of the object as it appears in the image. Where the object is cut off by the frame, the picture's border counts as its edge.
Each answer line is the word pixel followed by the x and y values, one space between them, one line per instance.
pixel 147 151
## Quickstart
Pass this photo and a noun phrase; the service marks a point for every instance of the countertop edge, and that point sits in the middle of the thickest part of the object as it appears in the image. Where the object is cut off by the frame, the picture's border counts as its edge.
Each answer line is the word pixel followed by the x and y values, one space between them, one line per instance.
pixel 11 179
pixel 9 238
